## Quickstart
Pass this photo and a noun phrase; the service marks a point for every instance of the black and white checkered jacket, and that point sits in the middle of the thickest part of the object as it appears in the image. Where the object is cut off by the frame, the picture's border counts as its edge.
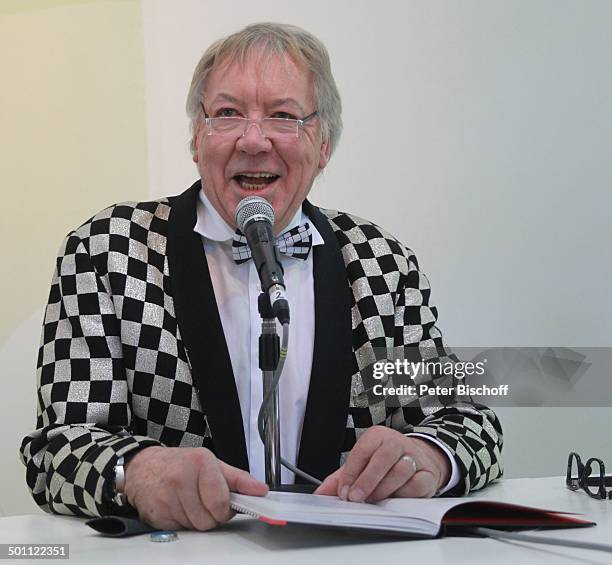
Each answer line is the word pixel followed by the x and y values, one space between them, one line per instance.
pixel 133 354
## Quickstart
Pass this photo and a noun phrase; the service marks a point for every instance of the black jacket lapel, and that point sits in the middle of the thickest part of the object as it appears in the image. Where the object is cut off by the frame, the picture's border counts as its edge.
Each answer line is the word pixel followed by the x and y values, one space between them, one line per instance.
pixel 200 325
pixel 332 364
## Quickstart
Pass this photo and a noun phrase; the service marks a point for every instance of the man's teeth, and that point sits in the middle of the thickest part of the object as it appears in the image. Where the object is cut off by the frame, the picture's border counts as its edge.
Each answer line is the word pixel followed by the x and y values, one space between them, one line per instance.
pixel 258 175
pixel 243 180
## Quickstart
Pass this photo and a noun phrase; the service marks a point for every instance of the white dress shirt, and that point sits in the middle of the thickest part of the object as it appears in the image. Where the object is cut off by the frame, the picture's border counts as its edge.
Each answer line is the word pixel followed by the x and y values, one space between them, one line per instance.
pixel 237 288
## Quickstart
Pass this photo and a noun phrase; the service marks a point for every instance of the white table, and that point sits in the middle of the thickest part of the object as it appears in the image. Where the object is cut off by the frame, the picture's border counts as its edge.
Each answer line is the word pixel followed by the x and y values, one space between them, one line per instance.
pixel 246 541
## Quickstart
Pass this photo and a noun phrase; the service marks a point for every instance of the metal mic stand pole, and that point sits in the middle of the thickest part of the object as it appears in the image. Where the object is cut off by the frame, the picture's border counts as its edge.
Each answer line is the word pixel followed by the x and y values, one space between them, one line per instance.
pixel 269 354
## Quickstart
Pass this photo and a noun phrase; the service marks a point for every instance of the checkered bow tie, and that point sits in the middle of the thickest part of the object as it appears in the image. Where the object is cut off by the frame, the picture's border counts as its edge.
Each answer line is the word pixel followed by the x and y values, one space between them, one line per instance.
pixel 295 242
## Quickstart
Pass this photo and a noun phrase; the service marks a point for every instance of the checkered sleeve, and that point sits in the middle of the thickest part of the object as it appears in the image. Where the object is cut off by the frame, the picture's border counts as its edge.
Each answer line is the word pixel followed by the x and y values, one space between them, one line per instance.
pixel 471 432
pixel 83 418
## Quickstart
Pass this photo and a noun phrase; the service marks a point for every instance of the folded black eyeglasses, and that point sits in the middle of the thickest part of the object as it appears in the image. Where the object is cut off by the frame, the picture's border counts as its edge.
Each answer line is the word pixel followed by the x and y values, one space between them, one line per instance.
pixel 590 476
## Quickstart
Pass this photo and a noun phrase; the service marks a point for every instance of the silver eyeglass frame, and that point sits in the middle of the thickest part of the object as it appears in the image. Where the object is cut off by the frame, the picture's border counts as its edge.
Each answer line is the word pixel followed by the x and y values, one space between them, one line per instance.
pixel 248 122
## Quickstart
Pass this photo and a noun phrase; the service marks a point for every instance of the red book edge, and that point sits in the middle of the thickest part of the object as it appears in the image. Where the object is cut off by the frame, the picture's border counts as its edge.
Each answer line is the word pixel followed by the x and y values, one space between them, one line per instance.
pixel 485 513
pixel 272 521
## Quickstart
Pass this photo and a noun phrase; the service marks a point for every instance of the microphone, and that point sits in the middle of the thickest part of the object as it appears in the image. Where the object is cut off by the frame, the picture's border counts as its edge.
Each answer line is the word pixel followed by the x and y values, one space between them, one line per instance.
pixel 255 218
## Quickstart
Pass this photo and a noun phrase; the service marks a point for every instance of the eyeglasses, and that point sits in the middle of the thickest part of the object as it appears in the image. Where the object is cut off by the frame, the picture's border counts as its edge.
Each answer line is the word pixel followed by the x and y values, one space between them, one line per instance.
pixel 579 476
pixel 270 128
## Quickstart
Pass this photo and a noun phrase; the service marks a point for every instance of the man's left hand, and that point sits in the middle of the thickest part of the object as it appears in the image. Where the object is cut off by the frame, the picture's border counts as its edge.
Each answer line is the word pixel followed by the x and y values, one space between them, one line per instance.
pixel 384 463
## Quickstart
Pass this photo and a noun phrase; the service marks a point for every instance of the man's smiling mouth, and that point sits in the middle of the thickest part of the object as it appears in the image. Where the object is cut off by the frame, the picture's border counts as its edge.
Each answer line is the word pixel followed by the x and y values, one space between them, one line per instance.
pixel 255 180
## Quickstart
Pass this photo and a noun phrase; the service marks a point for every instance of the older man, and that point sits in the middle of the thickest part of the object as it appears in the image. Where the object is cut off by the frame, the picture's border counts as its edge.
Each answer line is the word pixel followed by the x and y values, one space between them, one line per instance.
pixel 149 385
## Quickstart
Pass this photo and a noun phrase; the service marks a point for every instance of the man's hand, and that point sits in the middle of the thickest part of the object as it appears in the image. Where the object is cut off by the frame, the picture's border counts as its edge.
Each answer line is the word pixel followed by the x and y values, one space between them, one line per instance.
pixel 184 488
pixel 384 463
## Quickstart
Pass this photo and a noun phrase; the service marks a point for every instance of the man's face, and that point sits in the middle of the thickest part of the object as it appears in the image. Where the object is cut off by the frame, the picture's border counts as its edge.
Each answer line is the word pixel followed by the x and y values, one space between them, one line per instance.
pixel 231 168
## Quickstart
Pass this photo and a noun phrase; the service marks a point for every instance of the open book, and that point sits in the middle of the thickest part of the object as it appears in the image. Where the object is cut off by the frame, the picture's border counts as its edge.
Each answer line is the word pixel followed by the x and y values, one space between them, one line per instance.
pixel 414 516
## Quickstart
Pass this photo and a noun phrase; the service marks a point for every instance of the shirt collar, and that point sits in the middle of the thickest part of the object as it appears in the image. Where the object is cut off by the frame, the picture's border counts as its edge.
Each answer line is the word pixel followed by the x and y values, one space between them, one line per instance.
pixel 212 226
pixel 209 223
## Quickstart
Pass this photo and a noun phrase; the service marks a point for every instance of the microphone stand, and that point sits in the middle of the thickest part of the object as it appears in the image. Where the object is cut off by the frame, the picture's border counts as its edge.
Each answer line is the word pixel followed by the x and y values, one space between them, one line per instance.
pixel 269 354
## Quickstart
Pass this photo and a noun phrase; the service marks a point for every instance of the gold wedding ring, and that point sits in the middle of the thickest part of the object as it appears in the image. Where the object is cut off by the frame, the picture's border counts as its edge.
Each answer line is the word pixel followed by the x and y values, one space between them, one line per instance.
pixel 410 461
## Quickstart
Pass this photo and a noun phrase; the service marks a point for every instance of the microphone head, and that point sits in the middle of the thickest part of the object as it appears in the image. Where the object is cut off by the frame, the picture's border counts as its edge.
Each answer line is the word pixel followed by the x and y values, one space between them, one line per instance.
pixel 253 208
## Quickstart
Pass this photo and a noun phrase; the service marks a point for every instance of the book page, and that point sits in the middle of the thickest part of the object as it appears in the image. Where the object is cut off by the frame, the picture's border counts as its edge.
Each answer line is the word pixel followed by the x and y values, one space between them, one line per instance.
pixel 297 503
pixel 430 509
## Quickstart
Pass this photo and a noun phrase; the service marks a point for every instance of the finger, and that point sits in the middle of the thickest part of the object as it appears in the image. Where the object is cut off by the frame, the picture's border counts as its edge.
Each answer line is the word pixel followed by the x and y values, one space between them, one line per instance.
pixel 397 477
pixel 213 490
pixel 423 484
pixel 330 485
pixel 199 517
pixel 242 482
pixel 380 463
pixel 357 460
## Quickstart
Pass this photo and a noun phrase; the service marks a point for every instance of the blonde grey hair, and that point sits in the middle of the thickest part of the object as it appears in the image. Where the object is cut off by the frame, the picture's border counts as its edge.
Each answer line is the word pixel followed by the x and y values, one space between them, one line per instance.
pixel 273 39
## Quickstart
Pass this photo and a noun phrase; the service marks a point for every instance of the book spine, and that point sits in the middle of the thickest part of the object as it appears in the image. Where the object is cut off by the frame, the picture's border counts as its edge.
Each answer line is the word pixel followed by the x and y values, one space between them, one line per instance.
pixel 243 510
pixel 261 518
